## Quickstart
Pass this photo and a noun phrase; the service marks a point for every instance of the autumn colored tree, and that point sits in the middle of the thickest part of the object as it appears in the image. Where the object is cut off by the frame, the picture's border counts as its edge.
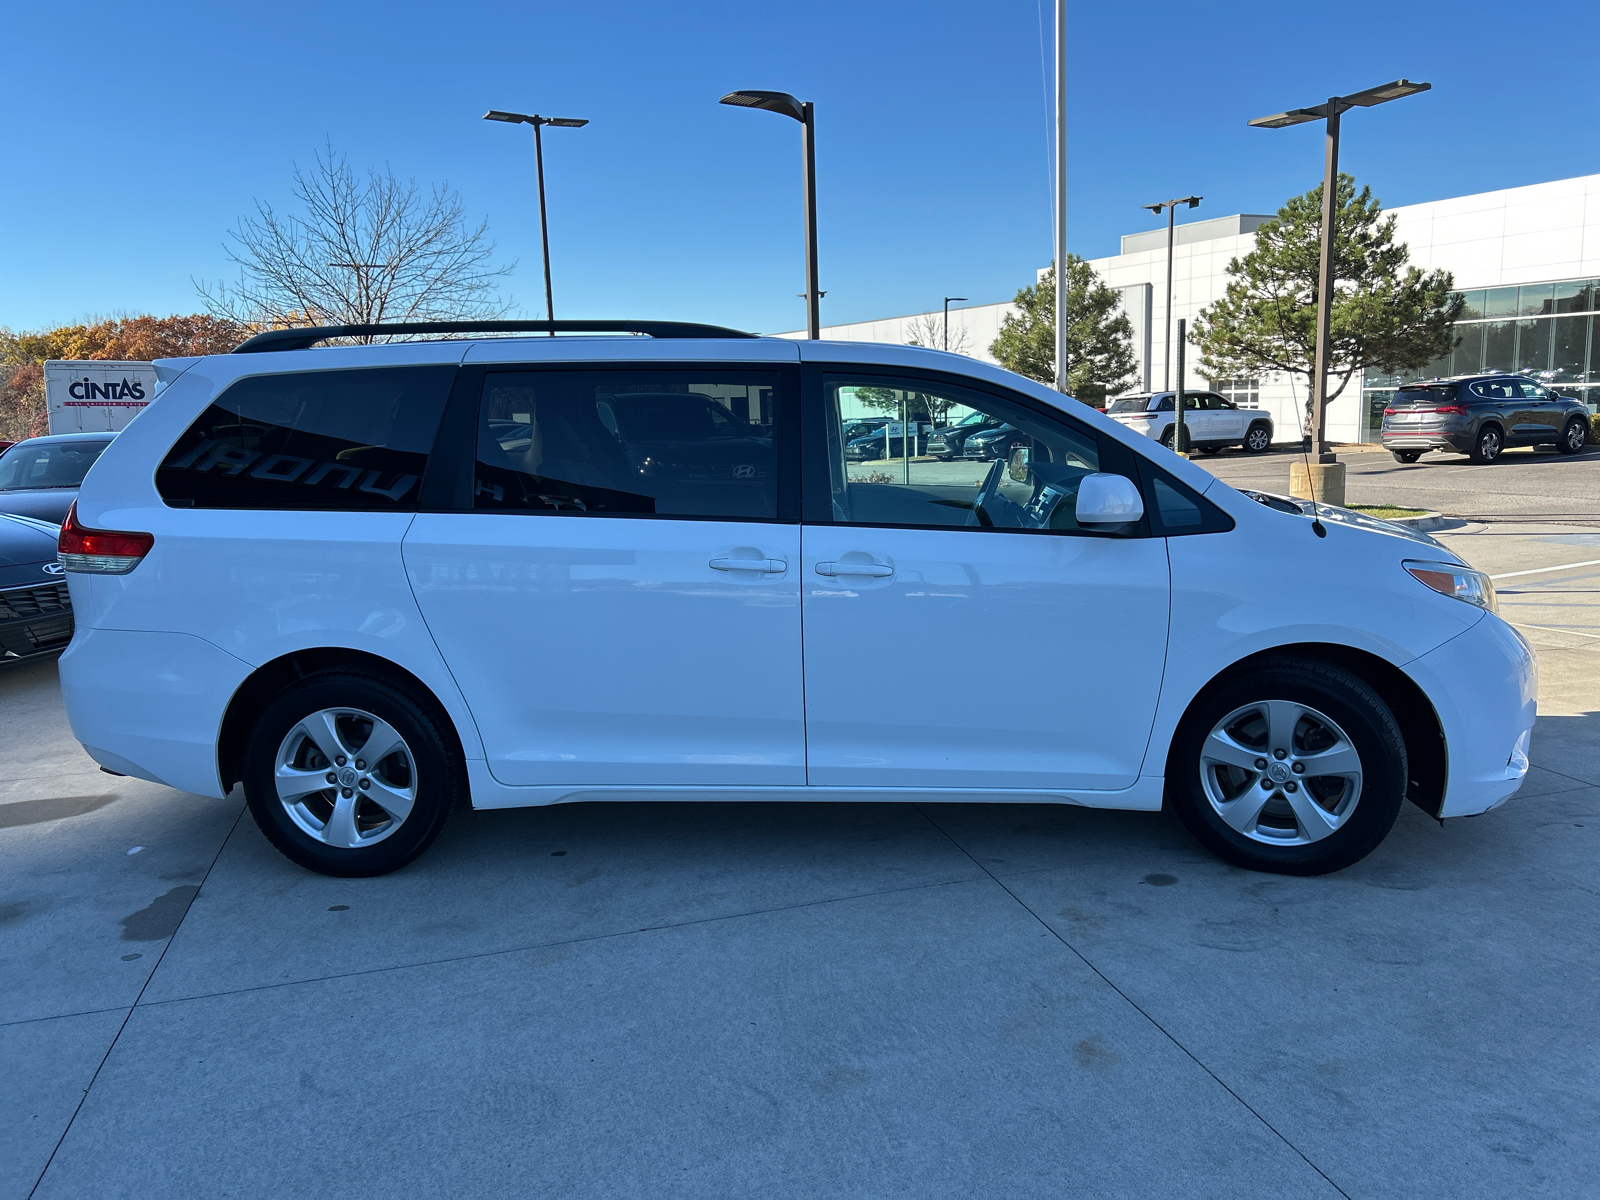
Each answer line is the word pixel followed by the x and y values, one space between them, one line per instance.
pixel 136 339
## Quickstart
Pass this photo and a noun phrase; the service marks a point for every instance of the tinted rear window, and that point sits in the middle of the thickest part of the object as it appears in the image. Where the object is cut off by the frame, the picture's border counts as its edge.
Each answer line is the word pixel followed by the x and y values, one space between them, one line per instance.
pixel 1136 404
pixel 354 439
pixel 1426 393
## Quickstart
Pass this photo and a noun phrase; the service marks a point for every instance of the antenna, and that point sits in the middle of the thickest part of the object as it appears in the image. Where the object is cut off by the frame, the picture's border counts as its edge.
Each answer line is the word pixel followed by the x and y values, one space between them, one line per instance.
pixel 1317 526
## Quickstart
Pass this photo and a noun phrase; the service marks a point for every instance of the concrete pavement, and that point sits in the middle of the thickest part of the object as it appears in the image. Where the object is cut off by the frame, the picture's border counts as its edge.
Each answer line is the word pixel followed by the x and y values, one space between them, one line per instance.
pixel 725 1000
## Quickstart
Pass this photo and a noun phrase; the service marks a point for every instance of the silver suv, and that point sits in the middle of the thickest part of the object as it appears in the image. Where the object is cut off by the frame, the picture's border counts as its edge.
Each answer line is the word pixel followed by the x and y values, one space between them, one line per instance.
pixel 1210 421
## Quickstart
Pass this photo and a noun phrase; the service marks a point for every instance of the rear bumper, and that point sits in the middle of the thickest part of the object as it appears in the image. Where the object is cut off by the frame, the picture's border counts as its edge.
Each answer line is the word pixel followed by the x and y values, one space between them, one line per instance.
pixel 1427 439
pixel 1483 684
pixel 150 705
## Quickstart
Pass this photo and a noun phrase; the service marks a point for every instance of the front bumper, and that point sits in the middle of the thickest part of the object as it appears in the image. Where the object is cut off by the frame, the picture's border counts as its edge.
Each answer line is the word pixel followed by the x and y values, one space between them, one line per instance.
pixel 34 620
pixel 1484 686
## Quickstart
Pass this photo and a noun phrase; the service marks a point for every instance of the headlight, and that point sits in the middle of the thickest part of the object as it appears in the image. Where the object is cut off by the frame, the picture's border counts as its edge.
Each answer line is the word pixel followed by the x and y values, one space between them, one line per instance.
pixel 1458 582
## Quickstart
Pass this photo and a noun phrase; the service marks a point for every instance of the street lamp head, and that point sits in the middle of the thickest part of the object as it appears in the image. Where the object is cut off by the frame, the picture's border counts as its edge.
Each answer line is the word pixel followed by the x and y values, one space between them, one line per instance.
pixel 1158 209
pixel 1295 116
pixel 778 102
pixel 948 299
pixel 1386 92
pixel 494 114
pixel 1192 201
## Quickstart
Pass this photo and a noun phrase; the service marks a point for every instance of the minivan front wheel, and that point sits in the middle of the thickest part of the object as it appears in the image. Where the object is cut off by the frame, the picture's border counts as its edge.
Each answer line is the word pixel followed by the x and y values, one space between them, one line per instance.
pixel 1298 768
pixel 351 776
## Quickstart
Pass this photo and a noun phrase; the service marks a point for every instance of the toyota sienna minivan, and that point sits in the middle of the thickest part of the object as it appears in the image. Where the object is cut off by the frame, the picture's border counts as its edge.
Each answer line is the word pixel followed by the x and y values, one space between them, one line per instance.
pixel 373 583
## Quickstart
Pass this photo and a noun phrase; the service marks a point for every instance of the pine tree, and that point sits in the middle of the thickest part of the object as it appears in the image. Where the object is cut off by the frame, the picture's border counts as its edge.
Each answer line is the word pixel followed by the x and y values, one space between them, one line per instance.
pixel 1100 360
pixel 1387 314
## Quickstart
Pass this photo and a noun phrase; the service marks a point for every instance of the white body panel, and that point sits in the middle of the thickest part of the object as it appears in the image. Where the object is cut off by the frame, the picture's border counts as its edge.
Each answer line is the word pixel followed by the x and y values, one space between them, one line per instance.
pixel 609 652
pixel 1054 688
pixel 96 396
pixel 678 680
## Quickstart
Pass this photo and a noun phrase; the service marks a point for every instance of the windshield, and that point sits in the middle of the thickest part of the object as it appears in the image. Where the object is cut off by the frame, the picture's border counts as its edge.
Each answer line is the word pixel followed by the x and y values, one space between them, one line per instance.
pixel 1426 393
pixel 1132 404
pixel 47 464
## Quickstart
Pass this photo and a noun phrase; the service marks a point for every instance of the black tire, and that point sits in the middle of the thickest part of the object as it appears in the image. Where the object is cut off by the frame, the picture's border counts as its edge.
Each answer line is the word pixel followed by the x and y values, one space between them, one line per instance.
pixel 1406 456
pixel 1574 436
pixel 1346 700
pixel 1170 437
pixel 1489 446
pixel 1257 439
pixel 439 780
pixel 1209 449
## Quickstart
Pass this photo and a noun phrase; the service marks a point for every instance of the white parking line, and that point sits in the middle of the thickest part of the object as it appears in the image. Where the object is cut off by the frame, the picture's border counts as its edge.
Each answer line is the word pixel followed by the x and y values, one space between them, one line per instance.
pixel 1554 629
pixel 1590 562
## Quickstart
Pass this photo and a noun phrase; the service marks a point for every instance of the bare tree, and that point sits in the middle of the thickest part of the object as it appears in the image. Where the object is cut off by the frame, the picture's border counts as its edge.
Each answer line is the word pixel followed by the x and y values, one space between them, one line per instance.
pixel 928 330
pixel 363 252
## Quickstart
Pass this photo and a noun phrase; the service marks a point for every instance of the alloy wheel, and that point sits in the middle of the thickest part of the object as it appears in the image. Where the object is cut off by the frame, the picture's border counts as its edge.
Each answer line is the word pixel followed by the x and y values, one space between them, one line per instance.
pixel 1577 435
pixel 1257 439
pixel 345 777
pixel 1281 773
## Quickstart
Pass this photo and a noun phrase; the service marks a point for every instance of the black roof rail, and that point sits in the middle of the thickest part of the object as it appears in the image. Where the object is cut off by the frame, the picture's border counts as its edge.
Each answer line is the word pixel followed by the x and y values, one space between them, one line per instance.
pixel 306 337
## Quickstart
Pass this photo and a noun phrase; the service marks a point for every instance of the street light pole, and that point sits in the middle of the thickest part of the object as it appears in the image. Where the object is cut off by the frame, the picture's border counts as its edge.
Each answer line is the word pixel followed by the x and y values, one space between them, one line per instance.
pixel 1171 207
pixel 1061 195
pixel 1330 112
pixel 538 124
pixel 947 300
pixel 800 110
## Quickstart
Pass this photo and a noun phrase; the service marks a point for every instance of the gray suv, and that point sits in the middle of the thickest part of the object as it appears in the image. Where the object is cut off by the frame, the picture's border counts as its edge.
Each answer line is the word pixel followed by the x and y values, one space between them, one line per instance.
pixel 1481 415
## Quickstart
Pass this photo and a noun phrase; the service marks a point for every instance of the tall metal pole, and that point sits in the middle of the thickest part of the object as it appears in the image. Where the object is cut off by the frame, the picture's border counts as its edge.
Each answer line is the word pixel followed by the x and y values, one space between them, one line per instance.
pixel 544 224
pixel 808 138
pixel 1061 196
pixel 1330 208
pixel 1166 351
pixel 1180 436
pixel 946 346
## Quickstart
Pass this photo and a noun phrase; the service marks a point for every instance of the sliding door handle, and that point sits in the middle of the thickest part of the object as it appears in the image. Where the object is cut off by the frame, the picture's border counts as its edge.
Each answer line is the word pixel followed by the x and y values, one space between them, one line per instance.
pixel 876 570
pixel 766 566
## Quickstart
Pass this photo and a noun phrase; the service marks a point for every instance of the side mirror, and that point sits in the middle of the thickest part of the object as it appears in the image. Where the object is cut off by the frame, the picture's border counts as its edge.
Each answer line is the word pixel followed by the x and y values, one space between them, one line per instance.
pixel 1108 500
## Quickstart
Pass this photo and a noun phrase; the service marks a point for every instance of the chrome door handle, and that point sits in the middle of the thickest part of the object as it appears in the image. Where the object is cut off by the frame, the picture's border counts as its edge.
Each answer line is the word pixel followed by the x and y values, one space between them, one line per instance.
pixel 877 570
pixel 767 566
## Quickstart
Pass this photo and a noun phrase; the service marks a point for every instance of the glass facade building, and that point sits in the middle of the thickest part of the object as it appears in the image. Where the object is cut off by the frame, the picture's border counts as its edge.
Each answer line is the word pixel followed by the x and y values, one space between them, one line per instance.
pixel 1547 331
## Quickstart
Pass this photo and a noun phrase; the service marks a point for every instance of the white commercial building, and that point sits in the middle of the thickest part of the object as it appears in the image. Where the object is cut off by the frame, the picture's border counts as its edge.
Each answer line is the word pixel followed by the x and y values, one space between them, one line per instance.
pixel 1527 260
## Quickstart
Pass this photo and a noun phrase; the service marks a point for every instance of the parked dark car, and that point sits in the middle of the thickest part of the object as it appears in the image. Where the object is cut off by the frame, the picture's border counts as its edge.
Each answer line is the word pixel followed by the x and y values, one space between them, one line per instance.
pixel 1481 415
pixel 871 447
pixel 949 442
pixel 994 443
pixel 39 477
pixel 35 611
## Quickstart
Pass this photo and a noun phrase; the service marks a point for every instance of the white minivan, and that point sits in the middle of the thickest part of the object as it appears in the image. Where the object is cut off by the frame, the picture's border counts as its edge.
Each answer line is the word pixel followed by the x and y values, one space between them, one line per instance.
pixel 372 583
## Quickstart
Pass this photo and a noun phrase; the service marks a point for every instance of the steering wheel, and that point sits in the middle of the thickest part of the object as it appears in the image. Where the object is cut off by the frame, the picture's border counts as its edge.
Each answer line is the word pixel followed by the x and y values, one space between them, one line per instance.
pixel 989 490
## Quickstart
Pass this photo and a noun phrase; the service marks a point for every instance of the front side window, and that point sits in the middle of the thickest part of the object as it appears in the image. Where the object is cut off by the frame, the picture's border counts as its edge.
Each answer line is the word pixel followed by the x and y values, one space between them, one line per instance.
pixel 629 443
pixel 1021 472
pixel 340 440
pixel 47 464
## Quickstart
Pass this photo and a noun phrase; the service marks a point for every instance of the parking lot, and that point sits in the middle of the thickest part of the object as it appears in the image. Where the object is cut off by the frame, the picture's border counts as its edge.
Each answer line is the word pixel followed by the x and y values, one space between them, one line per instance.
pixel 888 1000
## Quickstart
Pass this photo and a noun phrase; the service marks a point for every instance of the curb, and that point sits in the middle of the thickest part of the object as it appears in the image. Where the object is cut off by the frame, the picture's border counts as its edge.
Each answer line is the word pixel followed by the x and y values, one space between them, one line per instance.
pixel 1426 523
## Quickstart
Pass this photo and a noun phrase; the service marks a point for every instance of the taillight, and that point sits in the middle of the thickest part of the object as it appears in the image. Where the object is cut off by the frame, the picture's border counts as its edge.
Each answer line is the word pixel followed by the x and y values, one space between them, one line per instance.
pixel 1389 412
pixel 100 551
pixel 1458 409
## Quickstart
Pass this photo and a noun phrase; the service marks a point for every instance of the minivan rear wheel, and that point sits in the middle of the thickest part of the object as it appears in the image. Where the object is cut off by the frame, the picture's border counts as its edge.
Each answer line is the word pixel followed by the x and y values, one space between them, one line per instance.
pixel 1298 768
pixel 351 776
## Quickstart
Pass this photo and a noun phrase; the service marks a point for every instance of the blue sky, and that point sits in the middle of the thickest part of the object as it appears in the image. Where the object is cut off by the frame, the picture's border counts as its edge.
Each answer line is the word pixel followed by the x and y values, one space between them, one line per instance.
pixel 140 133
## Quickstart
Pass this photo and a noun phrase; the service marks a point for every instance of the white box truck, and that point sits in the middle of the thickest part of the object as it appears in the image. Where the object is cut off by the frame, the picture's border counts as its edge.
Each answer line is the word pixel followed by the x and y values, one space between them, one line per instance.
pixel 94 396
